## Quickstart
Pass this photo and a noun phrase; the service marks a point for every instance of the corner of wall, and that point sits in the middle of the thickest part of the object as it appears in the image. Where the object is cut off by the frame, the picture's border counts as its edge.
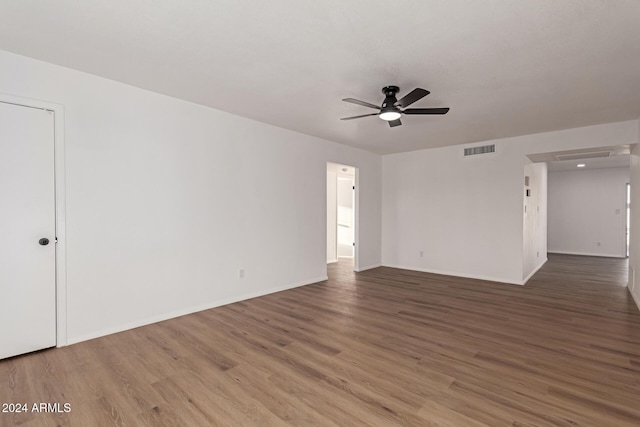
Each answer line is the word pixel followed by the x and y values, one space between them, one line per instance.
pixel 634 238
pixel 534 219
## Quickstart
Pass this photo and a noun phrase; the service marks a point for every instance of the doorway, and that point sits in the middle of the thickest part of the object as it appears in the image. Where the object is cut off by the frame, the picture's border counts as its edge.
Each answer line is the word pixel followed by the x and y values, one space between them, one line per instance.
pixel 588 204
pixel 342 214
pixel 31 183
pixel 345 216
pixel 628 219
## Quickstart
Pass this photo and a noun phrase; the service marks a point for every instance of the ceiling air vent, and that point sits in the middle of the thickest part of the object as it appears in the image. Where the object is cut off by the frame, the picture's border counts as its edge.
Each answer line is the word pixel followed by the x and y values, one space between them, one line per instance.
pixel 485 149
pixel 586 155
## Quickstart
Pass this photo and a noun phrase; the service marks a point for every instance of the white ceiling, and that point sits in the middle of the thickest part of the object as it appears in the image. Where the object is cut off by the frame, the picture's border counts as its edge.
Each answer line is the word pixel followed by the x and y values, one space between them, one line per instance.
pixel 504 67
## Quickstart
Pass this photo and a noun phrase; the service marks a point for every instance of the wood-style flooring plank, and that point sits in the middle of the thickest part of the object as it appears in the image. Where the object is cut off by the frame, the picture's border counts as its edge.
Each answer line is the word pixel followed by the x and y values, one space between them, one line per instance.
pixel 380 347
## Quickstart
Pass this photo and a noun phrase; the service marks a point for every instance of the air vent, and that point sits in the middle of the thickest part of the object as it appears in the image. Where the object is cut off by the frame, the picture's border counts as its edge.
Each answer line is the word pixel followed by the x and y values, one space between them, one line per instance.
pixel 588 155
pixel 485 149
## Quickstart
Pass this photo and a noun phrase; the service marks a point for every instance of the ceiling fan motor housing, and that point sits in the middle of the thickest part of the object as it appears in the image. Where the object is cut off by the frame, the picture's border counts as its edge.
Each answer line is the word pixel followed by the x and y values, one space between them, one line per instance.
pixel 390 98
pixel 390 90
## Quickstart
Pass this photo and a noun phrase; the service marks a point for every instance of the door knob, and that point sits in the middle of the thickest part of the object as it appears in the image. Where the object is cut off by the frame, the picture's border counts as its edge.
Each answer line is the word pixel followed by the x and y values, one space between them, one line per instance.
pixel 44 241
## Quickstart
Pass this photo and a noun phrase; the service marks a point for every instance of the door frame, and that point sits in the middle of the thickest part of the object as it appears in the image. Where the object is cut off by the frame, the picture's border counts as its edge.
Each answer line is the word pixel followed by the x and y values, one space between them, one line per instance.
pixel 351 178
pixel 356 207
pixel 60 206
pixel 627 217
pixel 356 219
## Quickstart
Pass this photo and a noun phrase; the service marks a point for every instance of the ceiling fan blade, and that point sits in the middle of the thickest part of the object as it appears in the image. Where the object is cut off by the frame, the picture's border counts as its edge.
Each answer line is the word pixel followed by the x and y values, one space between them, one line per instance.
pixel 357 117
pixel 364 104
pixel 412 97
pixel 426 111
pixel 394 123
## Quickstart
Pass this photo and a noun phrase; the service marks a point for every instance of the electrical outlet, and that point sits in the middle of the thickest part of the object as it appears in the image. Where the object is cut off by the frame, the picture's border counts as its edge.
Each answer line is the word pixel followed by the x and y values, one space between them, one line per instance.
pixel 241 273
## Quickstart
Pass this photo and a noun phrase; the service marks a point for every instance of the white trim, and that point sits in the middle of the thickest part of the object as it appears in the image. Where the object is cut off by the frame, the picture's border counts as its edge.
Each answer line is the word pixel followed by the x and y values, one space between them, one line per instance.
pixel 535 270
pixel 586 254
pixel 356 219
pixel 190 310
pixel 627 207
pixel 455 274
pixel 60 200
pixel 335 216
pixel 635 298
pixel 331 261
pixel 368 267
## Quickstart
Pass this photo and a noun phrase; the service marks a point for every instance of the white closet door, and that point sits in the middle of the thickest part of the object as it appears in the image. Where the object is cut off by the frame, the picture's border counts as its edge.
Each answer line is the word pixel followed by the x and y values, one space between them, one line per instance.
pixel 27 216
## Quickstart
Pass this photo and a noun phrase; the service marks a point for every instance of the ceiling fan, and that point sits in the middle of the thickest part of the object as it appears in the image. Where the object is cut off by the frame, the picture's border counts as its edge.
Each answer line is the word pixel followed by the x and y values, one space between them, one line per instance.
pixel 392 109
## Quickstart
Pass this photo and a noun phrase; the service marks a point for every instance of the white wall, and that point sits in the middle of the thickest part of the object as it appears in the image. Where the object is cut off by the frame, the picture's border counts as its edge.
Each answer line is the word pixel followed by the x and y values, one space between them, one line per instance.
pixel 465 214
pixel 534 219
pixel 634 253
pixel 587 212
pixel 454 211
pixel 166 201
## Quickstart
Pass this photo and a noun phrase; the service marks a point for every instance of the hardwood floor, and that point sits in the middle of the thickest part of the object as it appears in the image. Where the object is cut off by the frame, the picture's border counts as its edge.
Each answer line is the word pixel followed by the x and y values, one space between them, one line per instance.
pixel 382 347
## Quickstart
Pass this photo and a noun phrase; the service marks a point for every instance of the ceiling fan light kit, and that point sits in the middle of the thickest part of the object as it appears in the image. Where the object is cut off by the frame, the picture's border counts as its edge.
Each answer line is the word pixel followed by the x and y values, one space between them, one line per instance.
pixel 391 109
pixel 389 115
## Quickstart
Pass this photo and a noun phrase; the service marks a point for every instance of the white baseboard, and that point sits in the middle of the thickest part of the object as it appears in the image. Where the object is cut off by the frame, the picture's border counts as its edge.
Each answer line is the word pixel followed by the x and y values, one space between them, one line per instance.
pixel 331 261
pixel 586 254
pixel 535 270
pixel 456 274
pixel 368 267
pixel 635 298
pixel 189 310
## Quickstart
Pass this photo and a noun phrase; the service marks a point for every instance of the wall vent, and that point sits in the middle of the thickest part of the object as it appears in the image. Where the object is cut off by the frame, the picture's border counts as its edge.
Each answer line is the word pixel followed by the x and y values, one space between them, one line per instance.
pixel 579 156
pixel 485 149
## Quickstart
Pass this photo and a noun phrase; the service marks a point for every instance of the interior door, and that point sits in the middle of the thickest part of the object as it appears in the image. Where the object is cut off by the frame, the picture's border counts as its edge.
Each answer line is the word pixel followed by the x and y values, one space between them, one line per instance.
pixel 346 235
pixel 27 230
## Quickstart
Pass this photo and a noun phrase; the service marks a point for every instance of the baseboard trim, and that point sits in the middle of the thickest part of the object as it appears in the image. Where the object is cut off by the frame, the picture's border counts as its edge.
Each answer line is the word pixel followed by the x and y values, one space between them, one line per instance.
pixel 331 261
pixel 368 267
pixel 535 270
pixel 190 310
pixel 454 274
pixel 635 298
pixel 585 254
